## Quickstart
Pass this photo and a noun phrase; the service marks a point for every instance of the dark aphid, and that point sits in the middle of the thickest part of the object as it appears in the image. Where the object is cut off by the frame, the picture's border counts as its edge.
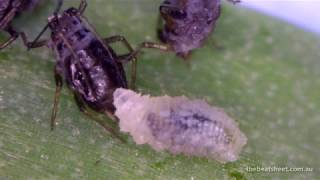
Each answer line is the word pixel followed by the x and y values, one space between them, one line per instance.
pixel 9 9
pixel 185 24
pixel 85 61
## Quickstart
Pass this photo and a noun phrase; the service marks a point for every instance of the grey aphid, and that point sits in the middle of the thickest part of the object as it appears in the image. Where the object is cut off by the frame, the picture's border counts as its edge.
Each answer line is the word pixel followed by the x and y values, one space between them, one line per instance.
pixel 184 25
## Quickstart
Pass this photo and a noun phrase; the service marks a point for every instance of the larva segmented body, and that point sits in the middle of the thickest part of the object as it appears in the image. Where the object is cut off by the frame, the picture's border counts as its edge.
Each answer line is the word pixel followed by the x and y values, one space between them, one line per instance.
pixel 179 125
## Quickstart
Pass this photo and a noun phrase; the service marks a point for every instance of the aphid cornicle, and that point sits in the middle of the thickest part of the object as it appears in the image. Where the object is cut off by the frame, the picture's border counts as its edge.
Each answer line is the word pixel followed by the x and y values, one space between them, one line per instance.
pixel 85 61
pixel 9 9
pixel 185 24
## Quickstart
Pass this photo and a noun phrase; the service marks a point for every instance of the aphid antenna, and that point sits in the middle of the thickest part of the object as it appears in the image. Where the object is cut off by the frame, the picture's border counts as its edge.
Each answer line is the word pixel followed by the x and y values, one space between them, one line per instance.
pixel 82 7
pixel 58 6
pixel 38 37
pixel 55 13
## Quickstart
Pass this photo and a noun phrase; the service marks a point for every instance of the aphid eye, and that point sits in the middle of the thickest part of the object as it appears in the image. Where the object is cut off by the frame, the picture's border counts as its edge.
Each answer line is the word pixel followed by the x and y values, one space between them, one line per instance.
pixel 180 14
pixel 74 22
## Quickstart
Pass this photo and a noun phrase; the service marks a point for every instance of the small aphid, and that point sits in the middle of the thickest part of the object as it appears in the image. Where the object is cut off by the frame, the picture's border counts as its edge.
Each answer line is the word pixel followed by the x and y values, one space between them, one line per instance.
pixel 85 61
pixel 9 9
pixel 187 24
pixel 179 125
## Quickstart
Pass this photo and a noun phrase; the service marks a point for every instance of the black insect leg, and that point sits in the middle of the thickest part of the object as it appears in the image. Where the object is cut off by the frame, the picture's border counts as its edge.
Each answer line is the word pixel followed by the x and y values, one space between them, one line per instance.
pixel 119 38
pixel 162 47
pixel 34 44
pixel 59 83
pixel 150 45
pixel 4 24
pixel 83 108
pixel 82 6
pixel 7 19
pixel 159 30
pixel 13 36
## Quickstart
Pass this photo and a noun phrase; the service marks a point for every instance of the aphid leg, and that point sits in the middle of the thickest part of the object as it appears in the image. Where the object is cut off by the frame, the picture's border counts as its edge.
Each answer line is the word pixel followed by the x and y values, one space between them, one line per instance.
pixel 82 7
pixel 133 59
pixel 13 36
pixel 7 19
pixel 159 29
pixel 83 108
pixel 8 42
pixel 4 24
pixel 132 84
pixel 59 83
pixel 34 44
pixel 133 55
pixel 150 45
pixel 186 58
pixel 112 117
pixel 119 38
pixel 129 57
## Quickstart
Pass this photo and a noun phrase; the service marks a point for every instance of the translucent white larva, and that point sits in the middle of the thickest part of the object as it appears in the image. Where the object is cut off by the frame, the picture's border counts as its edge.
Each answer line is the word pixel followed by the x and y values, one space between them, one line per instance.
pixel 179 125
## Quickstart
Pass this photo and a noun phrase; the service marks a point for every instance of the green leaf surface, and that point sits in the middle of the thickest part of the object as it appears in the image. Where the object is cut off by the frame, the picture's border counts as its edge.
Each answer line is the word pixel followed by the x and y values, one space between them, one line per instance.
pixel 266 77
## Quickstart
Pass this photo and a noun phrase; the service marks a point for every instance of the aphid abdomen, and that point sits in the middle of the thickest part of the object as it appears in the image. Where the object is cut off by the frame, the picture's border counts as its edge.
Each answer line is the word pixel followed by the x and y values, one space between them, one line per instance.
pixel 179 125
pixel 94 75
pixel 106 75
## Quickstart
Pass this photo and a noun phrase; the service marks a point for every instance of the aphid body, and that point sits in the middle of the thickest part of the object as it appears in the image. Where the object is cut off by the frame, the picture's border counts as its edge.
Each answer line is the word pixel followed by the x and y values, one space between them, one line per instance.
pixel 9 9
pixel 187 23
pixel 85 61
pixel 89 66
pixel 179 125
